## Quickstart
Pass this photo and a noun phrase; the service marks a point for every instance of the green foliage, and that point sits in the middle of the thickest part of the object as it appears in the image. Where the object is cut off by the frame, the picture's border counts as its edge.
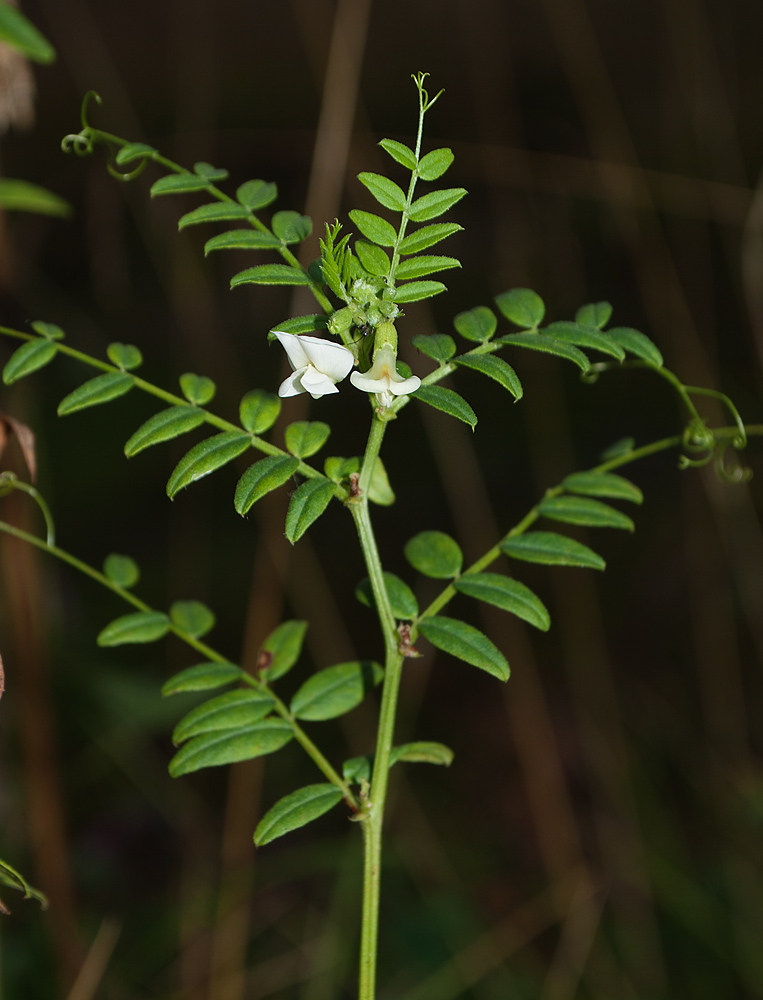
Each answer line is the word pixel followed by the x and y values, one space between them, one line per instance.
pixel 373 258
pixel 18 32
pixel 230 746
pixel 233 710
pixel 423 752
pixel 143 626
pixel 585 336
pixel 49 330
pixel 548 345
pixel 304 438
pixel 508 594
pixel 131 152
pixel 336 690
pixel 417 267
pixel 259 410
pixel 448 402
pixel 435 554
pixel 374 228
pixel 202 677
pixel 386 192
pixel 434 164
pixel 306 506
pixel 496 368
pixel 164 426
pixel 581 510
pixel 206 457
pixel 280 651
pixel 477 324
pixel 415 291
pixel 179 184
pixel 552 550
pixel 101 389
pixel 437 346
pixel 522 307
pixel 197 389
pixel 603 484
pixel 427 236
pixel 400 152
pixel 401 598
pixel 466 643
pixel 28 358
pixel 15 880
pixel 257 194
pixel 192 617
pixel 270 274
pixel 216 211
pixel 121 570
pixel 291 227
pixel 124 356
pixel 242 239
pixel 436 203
pixel 379 489
pixel 594 314
pixel 296 810
pixel 23 196
pixel 636 343
pixel 262 477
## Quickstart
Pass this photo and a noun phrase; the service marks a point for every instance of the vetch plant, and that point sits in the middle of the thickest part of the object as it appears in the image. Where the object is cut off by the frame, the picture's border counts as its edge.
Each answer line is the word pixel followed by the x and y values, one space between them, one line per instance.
pixel 361 289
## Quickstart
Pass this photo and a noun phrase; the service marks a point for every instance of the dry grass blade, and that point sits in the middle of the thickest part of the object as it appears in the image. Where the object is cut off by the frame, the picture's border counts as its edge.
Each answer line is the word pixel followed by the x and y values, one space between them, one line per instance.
pixel 91 974
pixel 10 427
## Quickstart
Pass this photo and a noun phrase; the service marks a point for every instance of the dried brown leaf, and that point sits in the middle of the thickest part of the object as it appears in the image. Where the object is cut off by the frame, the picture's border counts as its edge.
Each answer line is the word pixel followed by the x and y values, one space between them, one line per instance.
pixel 25 437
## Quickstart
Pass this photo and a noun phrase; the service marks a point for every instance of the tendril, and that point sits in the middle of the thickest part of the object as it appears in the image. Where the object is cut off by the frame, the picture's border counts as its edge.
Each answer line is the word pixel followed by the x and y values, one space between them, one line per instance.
pixel 9 482
pixel 90 95
pixel 130 175
pixel 81 144
pixel 734 472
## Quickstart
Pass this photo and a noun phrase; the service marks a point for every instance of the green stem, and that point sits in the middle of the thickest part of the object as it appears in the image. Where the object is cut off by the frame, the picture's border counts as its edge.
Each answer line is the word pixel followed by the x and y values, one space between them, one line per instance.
pixel 372 817
pixel 201 647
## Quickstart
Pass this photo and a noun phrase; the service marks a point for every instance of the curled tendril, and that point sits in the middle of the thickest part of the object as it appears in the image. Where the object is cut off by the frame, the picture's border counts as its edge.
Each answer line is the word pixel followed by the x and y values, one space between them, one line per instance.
pixel 130 175
pixel 734 472
pixel 697 438
pixel 684 462
pixel 9 482
pixel 90 95
pixel 740 440
pixel 591 376
pixel 82 143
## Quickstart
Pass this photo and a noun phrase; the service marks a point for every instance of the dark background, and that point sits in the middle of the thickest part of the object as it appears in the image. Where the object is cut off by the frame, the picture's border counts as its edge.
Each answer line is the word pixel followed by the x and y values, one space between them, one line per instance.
pixel 599 833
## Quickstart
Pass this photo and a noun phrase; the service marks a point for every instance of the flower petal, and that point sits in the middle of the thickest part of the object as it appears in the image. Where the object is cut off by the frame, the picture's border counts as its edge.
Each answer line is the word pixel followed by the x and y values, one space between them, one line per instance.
pixel 292 385
pixel 294 350
pixel 366 384
pixel 316 383
pixel 331 359
pixel 404 386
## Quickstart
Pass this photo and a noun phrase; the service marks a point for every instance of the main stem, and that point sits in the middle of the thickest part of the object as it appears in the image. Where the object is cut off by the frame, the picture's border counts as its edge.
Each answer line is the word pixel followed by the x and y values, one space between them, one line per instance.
pixel 373 812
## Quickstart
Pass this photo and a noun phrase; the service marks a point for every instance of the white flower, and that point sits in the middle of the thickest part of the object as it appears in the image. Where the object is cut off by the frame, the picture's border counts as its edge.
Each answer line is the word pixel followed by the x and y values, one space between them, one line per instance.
pixel 383 379
pixel 317 365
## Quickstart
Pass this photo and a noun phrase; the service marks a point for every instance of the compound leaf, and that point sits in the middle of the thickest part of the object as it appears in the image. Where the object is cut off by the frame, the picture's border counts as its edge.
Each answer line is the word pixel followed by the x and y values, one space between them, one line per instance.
pixel 206 457
pixel 192 617
pixel 637 343
pixel 427 236
pixel 197 389
pixel 257 194
pixel 403 154
pixel 508 594
pixel 202 677
pixel 467 643
pixel 216 211
pixel 271 274
pixel 296 810
pixel 495 368
pixel 214 749
pixel 434 164
pixel 435 203
pixel 548 345
pixel 552 550
pixel 335 690
pixel 522 306
pixel 241 239
pixel 142 626
pixel 262 477
pixel 437 346
pixel 28 358
pixel 582 510
pixel 603 484
pixel 585 336
pixel 385 191
pixel 163 426
pixel 374 228
pixel 306 506
pixel 594 314
pixel 232 710
pixel 179 184
pixel 280 651
pixel 401 598
pixel 434 554
pixel 448 401
pixel 417 267
pixel 291 227
pixel 121 570
pixel 101 389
